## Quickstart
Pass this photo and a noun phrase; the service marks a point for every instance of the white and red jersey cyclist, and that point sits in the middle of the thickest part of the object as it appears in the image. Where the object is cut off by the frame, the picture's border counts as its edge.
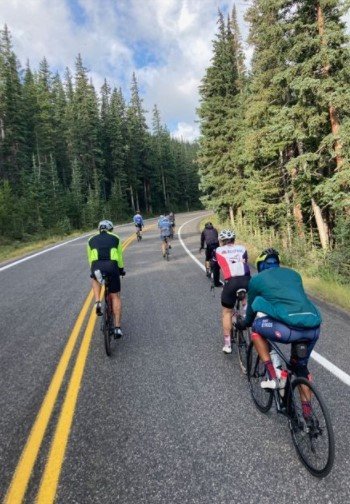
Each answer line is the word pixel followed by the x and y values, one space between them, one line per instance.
pixel 232 260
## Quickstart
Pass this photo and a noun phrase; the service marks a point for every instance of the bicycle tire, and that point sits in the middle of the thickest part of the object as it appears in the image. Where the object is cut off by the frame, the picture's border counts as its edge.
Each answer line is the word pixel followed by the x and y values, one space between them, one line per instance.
pixel 311 437
pixel 242 346
pixel 107 328
pixel 256 372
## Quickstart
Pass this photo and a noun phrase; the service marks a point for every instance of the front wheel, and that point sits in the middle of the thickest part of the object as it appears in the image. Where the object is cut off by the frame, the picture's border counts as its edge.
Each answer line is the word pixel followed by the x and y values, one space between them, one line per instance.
pixel 312 432
pixel 256 373
pixel 242 344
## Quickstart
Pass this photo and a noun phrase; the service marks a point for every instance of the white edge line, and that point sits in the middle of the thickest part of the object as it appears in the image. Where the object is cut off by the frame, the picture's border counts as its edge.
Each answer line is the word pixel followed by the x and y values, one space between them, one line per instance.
pixel 332 368
pixel 27 258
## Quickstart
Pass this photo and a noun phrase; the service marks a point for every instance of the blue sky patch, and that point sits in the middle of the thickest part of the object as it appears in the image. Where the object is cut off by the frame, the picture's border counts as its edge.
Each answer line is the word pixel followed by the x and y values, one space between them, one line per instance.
pixel 78 12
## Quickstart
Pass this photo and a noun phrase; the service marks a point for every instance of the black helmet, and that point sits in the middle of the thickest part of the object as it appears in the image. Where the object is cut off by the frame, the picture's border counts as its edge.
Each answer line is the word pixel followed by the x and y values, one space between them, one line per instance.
pixel 208 225
pixel 269 258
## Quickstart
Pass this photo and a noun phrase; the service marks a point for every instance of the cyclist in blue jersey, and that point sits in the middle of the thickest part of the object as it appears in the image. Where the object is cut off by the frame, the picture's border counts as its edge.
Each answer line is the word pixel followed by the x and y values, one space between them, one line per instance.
pixel 165 227
pixel 138 221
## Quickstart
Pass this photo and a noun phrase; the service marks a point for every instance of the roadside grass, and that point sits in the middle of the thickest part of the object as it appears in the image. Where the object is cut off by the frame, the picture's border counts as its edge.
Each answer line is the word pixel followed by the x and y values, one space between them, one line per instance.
pixel 17 249
pixel 326 289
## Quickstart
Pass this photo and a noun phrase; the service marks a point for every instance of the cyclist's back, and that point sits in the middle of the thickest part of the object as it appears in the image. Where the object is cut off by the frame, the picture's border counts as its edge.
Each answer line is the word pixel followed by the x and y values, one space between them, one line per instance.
pixel 280 294
pixel 138 220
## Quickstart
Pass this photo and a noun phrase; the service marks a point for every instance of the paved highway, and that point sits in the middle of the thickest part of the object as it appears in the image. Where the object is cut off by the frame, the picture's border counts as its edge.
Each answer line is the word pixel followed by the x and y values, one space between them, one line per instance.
pixel 168 418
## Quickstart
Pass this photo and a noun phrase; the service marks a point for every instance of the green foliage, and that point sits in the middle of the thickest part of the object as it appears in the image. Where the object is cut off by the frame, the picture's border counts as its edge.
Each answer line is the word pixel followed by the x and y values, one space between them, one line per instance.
pixel 274 146
pixel 69 157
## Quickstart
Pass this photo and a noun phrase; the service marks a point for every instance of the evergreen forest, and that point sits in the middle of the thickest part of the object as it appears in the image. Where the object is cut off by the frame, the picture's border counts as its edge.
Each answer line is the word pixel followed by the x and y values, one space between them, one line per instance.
pixel 275 138
pixel 70 156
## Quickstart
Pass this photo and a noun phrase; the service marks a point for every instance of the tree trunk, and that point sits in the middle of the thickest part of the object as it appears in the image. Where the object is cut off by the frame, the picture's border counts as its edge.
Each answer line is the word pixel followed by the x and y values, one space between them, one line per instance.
pixel 132 198
pixel 164 189
pixel 321 225
pixel 333 115
pixel 232 220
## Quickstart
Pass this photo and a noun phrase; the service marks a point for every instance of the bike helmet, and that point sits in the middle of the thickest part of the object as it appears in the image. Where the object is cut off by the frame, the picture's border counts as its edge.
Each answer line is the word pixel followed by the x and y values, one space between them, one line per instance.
pixel 105 225
pixel 208 225
pixel 227 235
pixel 269 258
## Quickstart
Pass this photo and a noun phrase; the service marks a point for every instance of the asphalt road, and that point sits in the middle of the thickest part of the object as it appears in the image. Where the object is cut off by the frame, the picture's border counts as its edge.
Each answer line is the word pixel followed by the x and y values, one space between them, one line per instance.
pixel 168 418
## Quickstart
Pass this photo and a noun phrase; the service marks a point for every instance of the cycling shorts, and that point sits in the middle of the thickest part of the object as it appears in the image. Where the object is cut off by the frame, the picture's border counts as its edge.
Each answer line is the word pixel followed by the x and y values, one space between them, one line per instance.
pixel 109 268
pixel 139 226
pixel 209 251
pixel 274 330
pixel 229 291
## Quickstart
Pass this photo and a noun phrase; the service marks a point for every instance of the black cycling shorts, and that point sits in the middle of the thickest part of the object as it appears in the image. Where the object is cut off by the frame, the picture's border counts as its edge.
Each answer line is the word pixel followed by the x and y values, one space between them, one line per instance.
pixel 209 250
pixel 229 291
pixel 109 268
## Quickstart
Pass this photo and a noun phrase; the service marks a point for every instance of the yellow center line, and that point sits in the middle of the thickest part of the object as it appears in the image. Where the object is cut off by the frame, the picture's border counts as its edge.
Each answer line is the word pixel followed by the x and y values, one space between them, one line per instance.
pixel 49 481
pixel 20 479
pixel 29 455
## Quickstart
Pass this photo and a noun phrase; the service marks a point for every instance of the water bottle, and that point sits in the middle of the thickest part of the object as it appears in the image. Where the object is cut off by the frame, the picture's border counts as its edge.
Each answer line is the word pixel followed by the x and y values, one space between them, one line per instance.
pixel 276 361
pixel 280 373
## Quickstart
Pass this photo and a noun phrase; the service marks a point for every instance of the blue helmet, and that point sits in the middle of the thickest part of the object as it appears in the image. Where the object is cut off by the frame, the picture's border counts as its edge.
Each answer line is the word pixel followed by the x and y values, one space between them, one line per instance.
pixel 268 259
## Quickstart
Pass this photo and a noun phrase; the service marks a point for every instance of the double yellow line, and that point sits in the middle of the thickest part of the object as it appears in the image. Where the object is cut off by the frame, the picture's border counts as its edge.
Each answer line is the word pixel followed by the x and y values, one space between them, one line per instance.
pixel 50 477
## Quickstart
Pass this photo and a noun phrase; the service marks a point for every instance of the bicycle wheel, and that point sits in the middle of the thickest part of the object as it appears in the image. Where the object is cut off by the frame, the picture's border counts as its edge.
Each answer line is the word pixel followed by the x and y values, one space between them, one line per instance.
pixel 107 328
pixel 313 437
pixel 242 345
pixel 256 373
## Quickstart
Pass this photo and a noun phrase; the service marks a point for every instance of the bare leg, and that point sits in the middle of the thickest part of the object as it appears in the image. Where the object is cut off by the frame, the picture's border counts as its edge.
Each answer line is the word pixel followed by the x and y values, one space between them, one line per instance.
pixel 226 321
pixel 262 347
pixel 96 287
pixel 117 307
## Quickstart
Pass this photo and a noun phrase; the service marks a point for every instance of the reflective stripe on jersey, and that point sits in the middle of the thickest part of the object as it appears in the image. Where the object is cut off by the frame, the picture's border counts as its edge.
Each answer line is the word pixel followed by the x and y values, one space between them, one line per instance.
pixel 232 260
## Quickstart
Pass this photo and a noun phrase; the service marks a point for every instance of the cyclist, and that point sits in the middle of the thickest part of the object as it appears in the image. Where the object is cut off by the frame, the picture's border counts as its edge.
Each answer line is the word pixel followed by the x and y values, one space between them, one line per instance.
pixel 164 226
pixel 138 221
pixel 233 262
pixel 105 256
pixel 210 237
pixel 172 220
pixel 279 310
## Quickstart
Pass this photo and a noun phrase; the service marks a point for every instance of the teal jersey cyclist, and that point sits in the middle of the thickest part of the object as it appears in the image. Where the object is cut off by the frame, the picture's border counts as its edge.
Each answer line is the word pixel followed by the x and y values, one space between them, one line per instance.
pixel 279 310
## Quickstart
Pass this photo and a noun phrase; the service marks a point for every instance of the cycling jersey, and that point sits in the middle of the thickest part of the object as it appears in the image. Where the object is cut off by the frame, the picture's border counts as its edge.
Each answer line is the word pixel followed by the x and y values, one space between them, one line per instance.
pixel 279 293
pixel 232 260
pixel 105 246
pixel 165 227
pixel 138 220
pixel 209 236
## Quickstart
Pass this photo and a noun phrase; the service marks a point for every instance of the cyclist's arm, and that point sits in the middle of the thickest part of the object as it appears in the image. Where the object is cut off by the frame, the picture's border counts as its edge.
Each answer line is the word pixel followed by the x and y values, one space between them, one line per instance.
pixel 89 252
pixel 120 255
pixel 252 293
pixel 202 239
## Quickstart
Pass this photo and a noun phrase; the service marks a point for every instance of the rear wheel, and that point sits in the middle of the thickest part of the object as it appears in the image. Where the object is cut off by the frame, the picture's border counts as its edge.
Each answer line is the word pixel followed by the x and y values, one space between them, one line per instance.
pixel 256 372
pixel 312 436
pixel 107 328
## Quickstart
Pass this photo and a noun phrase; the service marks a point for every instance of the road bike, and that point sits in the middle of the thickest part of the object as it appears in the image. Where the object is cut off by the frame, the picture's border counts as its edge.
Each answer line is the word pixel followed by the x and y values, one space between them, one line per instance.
pixel 167 247
pixel 138 234
pixel 107 323
pixel 239 337
pixel 312 436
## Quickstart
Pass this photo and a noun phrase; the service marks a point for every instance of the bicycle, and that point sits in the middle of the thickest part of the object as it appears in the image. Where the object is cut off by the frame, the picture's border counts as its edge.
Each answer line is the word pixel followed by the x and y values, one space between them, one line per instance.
pixel 167 246
pixel 138 234
pixel 107 323
pixel 239 337
pixel 308 434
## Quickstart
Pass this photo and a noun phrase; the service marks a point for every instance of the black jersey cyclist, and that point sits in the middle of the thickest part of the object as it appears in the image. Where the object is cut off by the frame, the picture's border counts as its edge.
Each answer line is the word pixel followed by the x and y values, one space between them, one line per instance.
pixel 105 256
pixel 209 237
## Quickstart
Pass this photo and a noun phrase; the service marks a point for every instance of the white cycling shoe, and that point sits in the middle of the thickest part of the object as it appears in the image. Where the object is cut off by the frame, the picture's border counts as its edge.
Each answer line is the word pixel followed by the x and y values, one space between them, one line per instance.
pixel 269 384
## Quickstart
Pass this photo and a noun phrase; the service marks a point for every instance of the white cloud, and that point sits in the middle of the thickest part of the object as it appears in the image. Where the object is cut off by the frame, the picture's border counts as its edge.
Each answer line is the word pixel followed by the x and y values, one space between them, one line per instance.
pixel 186 131
pixel 111 35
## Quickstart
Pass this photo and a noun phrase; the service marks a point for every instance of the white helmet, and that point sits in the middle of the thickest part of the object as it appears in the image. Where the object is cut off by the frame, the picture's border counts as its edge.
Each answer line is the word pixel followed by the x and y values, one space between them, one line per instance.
pixel 105 225
pixel 227 234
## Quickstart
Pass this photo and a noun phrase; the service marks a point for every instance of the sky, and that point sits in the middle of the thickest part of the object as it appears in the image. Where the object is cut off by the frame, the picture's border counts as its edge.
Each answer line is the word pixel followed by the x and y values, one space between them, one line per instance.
pixel 168 43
